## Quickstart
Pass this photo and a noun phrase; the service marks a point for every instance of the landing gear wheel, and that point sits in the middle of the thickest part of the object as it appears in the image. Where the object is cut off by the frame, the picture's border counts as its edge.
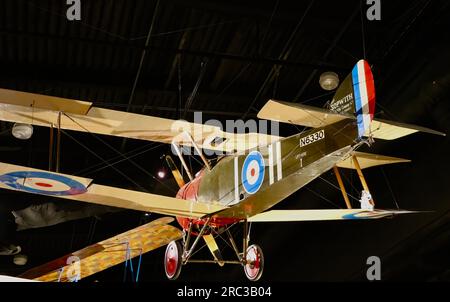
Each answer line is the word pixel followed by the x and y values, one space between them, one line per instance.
pixel 172 260
pixel 254 263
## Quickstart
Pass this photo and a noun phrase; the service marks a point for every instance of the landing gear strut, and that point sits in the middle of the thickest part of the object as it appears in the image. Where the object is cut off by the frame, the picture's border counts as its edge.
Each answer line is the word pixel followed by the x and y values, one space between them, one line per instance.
pixel 180 253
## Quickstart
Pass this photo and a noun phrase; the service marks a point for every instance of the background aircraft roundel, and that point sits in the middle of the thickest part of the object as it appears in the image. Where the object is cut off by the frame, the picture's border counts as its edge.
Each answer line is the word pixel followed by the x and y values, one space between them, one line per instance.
pixel 253 172
pixel 42 183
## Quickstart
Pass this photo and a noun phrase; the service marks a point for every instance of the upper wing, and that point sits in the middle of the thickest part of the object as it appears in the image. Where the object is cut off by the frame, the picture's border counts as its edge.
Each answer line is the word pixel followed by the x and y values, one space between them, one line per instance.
pixel 322 215
pixel 107 253
pixel 41 182
pixel 75 115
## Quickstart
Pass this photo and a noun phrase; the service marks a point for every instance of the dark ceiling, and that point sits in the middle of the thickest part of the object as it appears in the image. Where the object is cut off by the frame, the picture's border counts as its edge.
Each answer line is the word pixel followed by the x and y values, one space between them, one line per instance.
pixel 225 59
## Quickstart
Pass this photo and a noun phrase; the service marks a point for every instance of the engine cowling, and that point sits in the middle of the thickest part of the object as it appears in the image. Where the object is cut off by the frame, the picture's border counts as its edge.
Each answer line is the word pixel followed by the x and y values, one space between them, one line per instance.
pixel 190 192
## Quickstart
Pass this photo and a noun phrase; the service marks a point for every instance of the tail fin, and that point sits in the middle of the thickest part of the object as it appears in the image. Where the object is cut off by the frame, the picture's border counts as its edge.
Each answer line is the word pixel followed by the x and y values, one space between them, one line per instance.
pixel 356 95
pixel 354 99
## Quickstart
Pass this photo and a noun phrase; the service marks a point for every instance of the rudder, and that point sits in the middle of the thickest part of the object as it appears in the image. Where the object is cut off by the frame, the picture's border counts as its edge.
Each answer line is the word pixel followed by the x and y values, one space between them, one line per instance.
pixel 356 95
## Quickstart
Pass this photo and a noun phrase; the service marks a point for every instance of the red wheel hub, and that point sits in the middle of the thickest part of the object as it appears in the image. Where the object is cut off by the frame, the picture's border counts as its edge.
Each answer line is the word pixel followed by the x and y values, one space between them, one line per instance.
pixel 171 259
pixel 253 262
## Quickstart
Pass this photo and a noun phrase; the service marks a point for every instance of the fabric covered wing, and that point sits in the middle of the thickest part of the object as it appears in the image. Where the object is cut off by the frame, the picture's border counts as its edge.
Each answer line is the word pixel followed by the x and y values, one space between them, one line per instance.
pixel 70 187
pixel 299 114
pixel 390 130
pixel 323 215
pixel 367 160
pixel 26 99
pixel 80 116
pixel 107 253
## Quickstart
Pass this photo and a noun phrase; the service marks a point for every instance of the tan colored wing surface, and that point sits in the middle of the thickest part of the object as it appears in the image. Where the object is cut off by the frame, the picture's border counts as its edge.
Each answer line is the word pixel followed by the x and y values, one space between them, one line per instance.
pixel 322 215
pixel 107 253
pixel 105 195
pixel 390 130
pixel 367 160
pixel 299 114
pixel 47 102
pixel 41 110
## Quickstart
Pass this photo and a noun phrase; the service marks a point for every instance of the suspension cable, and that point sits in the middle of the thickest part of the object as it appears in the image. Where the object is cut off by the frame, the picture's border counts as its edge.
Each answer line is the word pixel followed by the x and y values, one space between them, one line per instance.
pixel 99 157
pixel 120 153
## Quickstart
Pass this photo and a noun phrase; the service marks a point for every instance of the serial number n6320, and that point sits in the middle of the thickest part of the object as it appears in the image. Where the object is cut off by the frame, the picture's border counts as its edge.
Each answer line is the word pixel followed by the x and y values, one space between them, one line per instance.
pixel 309 139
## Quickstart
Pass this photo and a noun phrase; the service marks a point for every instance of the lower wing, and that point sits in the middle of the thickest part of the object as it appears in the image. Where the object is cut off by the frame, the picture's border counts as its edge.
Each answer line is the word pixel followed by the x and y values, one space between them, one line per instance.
pixel 65 186
pixel 323 215
pixel 107 253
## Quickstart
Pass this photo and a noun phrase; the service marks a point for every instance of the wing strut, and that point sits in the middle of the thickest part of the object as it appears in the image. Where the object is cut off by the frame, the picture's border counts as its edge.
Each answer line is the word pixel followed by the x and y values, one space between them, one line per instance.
pixel 199 151
pixel 180 156
pixel 175 172
pixel 341 185
pixel 362 179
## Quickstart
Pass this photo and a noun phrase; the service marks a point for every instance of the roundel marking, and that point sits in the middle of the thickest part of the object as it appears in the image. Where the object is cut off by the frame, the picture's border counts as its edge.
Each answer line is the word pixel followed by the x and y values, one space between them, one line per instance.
pixel 42 183
pixel 253 172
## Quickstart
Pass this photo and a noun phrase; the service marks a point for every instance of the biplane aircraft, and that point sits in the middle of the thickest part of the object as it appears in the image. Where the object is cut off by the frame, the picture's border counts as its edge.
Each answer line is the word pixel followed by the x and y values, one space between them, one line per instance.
pixel 256 172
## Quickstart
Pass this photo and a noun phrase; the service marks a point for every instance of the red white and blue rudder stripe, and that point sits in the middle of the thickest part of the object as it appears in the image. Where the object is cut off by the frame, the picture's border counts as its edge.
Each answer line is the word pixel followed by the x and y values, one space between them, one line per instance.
pixel 364 95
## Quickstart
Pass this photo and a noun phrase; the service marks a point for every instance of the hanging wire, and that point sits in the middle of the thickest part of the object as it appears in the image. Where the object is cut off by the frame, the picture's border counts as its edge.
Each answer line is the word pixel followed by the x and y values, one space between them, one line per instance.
pixel 362 29
pixel 337 188
pixel 99 157
pixel 109 33
pixel 317 97
pixel 235 78
pixel 73 236
pixel 191 28
pixel 119 153
pixel 323 197
pixel 122 160
pixel 92 230
pixel 350 182
pixel 390 188
pixel 129 154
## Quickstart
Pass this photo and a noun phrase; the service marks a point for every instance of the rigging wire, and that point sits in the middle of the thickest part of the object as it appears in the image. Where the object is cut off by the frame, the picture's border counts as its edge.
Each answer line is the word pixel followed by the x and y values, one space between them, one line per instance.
pixel 127 154
pixel 362 29
pixel 323 197
pixel 337 188
pixel 123 38
pixel 99 157
pixel 122 160
pixel 119 153
pixel 263 40
pixel 350 182
pixel 235 78
pixel 390 188
pixel 318 97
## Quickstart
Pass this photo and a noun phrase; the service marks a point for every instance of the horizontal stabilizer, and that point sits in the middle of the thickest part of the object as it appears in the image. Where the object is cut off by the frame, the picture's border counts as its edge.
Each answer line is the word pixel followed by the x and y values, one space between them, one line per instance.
pixel 323 215
pixel 299 114
pixel 367 160
pixel 390 130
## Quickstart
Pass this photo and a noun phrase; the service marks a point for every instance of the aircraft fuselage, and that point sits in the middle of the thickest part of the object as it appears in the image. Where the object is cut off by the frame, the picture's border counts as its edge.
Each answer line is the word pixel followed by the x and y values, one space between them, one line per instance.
pixel 256 180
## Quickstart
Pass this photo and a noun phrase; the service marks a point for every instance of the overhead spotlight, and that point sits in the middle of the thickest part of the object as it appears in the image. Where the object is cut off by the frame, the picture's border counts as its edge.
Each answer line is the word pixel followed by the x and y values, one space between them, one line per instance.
pixel 22 131
pixel 161 174
pixel 329 80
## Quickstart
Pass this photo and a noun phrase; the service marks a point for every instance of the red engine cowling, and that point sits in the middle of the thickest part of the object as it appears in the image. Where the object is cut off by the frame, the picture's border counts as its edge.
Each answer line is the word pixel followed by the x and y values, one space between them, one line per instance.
pixel 190 192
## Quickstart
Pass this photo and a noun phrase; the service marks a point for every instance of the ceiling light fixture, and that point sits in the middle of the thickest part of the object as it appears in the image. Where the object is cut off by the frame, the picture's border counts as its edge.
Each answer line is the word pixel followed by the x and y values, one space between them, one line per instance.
pixel 22 131
pixel 161 174
pixel 329 80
